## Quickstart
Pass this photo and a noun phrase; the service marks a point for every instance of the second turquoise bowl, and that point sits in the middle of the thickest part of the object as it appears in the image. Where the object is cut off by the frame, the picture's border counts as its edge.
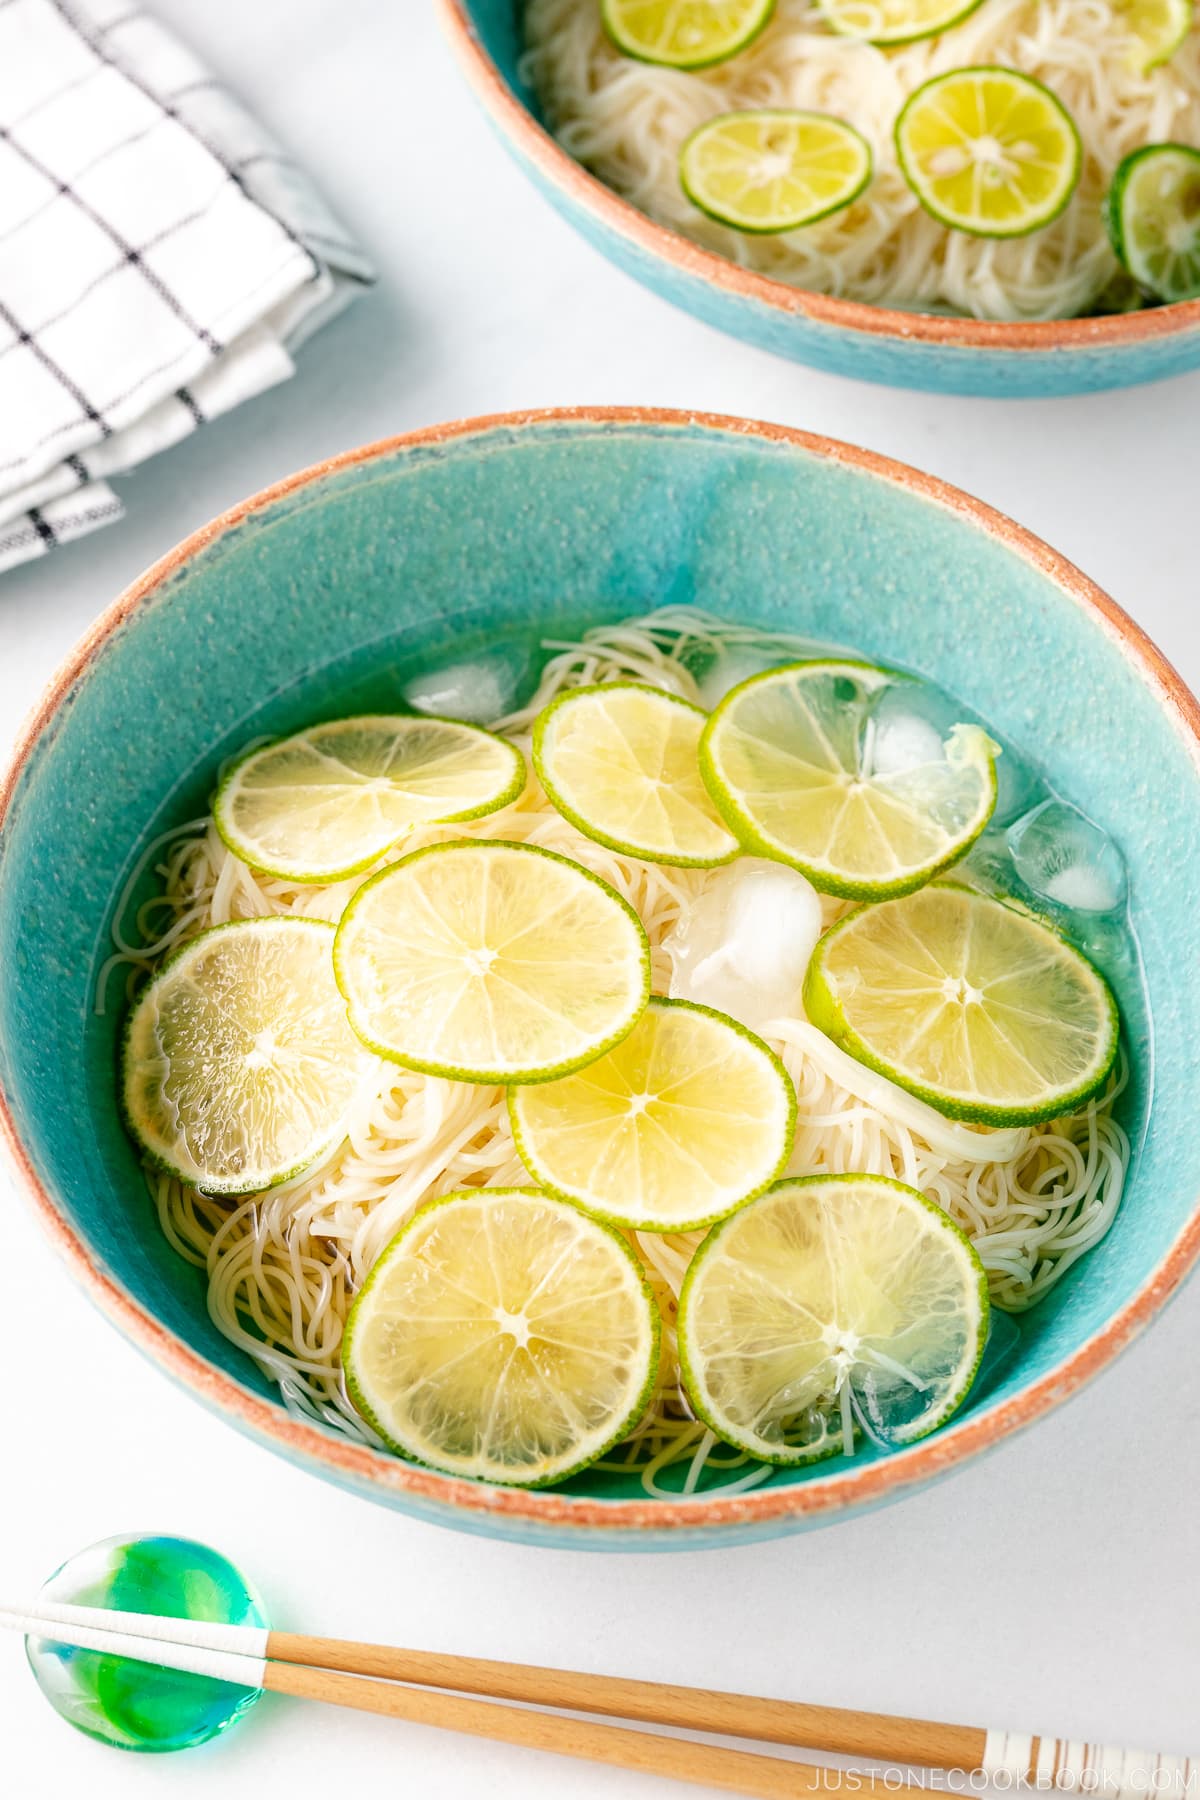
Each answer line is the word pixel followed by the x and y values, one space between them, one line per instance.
pixel 326 593
pixel 874 343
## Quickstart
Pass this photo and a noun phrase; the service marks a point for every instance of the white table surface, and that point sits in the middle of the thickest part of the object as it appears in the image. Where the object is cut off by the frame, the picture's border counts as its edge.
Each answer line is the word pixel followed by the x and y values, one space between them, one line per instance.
pixel 1052 1585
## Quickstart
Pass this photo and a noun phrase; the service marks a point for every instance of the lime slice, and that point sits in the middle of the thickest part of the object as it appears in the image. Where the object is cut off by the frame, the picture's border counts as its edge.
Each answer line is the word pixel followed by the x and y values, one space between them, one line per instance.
pixel 895 21
pixel 977 1008
pixel 684 34
pixel 688 1116
pixel 621 762
pixel 326 803
pixel 491 962
pixel 775 169
pixel 1153 218
pixel 503 1335
pixel 989 151
pixel 1158 27
pixel 239 1065
pixel 787 758
pixel 827 1299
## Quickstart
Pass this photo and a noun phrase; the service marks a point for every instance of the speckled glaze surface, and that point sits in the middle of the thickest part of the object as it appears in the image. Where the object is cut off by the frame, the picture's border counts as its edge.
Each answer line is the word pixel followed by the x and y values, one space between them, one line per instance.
pixel 325 592
pixel 872 343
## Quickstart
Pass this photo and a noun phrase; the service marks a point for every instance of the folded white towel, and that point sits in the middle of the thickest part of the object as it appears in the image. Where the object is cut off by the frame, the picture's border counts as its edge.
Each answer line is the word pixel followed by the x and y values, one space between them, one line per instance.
pixel 160 259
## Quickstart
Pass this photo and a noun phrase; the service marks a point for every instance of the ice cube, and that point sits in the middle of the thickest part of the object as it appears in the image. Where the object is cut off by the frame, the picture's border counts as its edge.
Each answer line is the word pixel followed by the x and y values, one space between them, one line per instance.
pixel 744 946
pixel 477 691
pixel 1063 857
pixel 731 664
pixel 904 731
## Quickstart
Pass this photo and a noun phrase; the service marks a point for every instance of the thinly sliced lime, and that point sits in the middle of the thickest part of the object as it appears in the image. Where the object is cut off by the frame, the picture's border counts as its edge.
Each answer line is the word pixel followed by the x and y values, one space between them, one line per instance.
pixel 239 1065
pixel 504 1336
pixel 1158 28
pixel 621 762
pixel 684 34
pixel 1153 218
pixel 688 1116
pixel 326 803
pixel 989 151
pixel 976 1007
pixel 774 169
pixel 895 21
pixel 829 1299
pixel 787 758
pixel 491 962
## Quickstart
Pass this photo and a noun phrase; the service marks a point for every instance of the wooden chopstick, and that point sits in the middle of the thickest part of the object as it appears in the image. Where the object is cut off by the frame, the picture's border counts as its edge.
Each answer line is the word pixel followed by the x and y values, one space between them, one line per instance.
pixel 679 1759
pixel 370 1671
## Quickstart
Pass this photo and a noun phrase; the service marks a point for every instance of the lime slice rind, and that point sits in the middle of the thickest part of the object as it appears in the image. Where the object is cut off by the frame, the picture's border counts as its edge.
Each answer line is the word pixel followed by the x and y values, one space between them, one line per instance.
pixel 1158 27
pixel 1048 1000
pixel 604 962
pixel 774 169
pixel 321 1074
pixel 783 752
pixel 684 34
pixel 758 1142
pixel 620 753
pixel 359 784
pixel 894 22
pixel 478 1297
pixel 776 1307
pixel 1152 213
pixel 1027 126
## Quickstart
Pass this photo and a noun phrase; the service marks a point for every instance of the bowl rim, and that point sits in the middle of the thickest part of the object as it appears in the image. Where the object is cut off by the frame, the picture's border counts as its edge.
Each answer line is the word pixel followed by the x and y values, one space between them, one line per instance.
pixel 527 1509
pixel 576 183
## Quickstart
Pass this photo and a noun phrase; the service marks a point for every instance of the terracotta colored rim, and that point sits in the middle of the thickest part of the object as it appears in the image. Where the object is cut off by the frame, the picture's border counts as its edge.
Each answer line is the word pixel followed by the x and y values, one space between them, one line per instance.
pixel 822 1495
pixel 572 180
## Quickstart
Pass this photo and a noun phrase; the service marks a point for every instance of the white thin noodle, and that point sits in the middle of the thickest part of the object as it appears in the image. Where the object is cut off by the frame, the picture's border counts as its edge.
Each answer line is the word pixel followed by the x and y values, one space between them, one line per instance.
pixel 627 121
pixel 284 1266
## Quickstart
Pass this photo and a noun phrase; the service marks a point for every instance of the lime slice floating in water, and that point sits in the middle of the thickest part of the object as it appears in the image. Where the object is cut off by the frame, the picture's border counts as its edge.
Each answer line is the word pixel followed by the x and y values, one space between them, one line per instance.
pixel 684 34
pixel 689 1115
pixel 895 21
pixel 1158 27
pixel 978 1008
pixel 1153 217
pixel 328 802
pixel 621 762
pixel 239 1065
pixel 503 1335
pixel 774 169
pixel 491 962
pixel 828 1298
pixel 786 758
pixel 989 151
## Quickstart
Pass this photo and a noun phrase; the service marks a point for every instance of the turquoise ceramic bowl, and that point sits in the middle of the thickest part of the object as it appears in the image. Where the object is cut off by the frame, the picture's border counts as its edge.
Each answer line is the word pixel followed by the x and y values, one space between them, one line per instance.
pixel 323 593
pixel 874 343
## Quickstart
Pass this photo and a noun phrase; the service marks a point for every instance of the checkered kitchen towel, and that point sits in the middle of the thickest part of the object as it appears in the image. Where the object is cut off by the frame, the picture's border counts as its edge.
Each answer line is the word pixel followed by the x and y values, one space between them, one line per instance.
pixel 160 259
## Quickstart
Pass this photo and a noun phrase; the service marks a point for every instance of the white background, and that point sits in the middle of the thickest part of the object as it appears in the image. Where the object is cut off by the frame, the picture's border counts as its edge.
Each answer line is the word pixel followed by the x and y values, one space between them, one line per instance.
pixel 1052 1586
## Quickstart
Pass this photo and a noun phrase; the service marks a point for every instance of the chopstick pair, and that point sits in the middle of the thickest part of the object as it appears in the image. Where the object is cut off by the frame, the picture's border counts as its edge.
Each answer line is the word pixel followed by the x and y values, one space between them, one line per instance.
pixel 413 1684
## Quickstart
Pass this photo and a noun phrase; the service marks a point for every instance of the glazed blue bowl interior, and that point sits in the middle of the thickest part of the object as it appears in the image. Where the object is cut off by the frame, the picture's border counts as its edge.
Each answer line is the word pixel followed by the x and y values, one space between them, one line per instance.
pixel 327 597
pixel 972 360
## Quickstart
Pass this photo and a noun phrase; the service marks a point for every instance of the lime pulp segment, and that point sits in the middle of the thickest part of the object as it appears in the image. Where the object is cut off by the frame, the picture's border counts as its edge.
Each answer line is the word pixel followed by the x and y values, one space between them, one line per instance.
pixel 684 34
pixel 329 801
pixel 1158 28
pixel 895 21
pixel 787 759
pixel 969 1003
pixel 239 1065
pixel 621 763
pixel 490 961
pixel 1153 218
pixel 688 1116
pixel 774 169
pixel 989 151
pixel 504 1336
pixel 831 1301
